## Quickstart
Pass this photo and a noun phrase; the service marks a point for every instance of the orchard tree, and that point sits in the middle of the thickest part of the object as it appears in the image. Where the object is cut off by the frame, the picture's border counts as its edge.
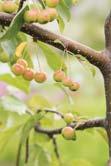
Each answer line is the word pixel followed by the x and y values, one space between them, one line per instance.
pixel 21 30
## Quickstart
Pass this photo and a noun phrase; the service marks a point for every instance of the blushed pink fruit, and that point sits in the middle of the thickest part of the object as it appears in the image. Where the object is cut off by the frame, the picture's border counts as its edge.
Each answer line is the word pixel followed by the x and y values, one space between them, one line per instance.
pixel 59 75
pixel 22 62
pixel 75 86
pixel 9 6
pixel 18 69
pixel 31 15
pixel 67 82
pixel 40 77
pixel 28 74
pixel 68 133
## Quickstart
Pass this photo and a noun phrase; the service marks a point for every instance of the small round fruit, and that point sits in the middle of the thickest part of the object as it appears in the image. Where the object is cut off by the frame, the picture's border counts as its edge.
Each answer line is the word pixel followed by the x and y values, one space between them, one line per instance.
pixel 4 57
pixel 18 69
pixel 68 133
pixel 40 77
pixel 22 62
pixel 75 86
pixel 9 6
pixel 68 117
pixel 52 3
pixel 31 15
pixel 28 74
pixel 53 13
pixel 59 75
pixel 43 17
pixel 67 82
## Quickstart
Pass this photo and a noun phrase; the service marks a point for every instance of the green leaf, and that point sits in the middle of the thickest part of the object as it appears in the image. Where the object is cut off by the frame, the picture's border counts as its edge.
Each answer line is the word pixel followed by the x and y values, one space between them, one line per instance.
pixel 61 23
pixel 9 46
pixel 7 134
pixel 86 64
pixel 11 103
pixel 15 25
pixel 103 134
pixel 38 102
pixel 64 10
pixel 17 82
pixel 80 162
pixel 30 123
pixel 54 60
pixel 9 41
pixel 38 156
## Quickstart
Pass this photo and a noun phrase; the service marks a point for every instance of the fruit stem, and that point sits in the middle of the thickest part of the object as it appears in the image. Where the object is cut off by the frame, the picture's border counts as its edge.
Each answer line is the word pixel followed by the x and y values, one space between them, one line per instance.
pixel 42 4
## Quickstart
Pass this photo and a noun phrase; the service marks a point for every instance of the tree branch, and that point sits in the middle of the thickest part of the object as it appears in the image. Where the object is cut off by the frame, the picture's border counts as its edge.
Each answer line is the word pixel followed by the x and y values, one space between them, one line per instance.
pixel 108 32
pixel 39 33
pixel 82 126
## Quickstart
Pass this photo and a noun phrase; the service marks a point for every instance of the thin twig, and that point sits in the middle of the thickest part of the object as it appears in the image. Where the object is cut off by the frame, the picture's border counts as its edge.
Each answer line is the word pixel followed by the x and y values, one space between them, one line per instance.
pixel 27 150
pixel 21 4
pixel 54 141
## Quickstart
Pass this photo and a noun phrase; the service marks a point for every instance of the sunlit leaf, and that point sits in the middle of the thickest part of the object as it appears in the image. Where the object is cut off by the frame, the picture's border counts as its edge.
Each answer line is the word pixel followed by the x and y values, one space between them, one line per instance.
pixel 11 103
pixel 61 23
pixel 64 10
pixel 17 82
pixel 54 60
pixel 38 102
pixel 30 123
pixel 7 134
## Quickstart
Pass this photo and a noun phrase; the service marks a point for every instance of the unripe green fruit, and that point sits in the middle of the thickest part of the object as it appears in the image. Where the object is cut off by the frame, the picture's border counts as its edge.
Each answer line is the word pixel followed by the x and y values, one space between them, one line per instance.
pixel 43 17
pixel 40 77
pixel 4 57
pixel 75 86
pixel 9 6
pixel 68 117
pixel 59 75
pixel 18 69
pixel 22 62
pixel 68 133
pixel 67 82
pixel 52 3
pixel 28 74
pixel 53 13
pixel 31 15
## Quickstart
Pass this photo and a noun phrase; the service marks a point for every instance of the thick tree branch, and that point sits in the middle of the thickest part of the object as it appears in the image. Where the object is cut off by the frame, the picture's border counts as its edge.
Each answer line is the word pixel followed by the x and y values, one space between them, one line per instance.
pixel 81 126
pixel 107 81
pixel 46 36
pixel 108 32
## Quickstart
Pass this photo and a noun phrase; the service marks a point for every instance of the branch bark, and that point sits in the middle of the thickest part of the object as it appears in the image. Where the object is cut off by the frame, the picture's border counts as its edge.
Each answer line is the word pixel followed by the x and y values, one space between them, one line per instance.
pixel 82 126
pixel 107 81
pixel 37 32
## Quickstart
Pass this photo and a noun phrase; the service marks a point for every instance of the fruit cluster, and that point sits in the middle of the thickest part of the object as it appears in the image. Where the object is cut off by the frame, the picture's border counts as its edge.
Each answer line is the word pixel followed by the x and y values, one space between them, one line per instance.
pixel 59 76
pixel 8 6
pixel 68 132
pixel 21 68
pixel 41 16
